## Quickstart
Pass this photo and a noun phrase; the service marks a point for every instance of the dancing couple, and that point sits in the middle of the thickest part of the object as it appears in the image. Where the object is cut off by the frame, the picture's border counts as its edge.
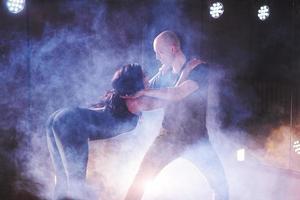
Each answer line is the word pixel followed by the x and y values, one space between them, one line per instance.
pixel 180 87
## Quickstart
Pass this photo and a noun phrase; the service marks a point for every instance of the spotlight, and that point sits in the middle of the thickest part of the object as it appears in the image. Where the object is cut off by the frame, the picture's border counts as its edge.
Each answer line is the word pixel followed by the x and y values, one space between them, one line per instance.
pixel 263 12
pixel 240 155
pixel 216 10
pixel 15 6
pixel 296 146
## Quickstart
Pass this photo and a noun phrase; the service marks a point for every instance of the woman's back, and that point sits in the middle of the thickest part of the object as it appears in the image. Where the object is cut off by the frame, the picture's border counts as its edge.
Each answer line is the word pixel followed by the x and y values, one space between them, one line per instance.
pixel 69 129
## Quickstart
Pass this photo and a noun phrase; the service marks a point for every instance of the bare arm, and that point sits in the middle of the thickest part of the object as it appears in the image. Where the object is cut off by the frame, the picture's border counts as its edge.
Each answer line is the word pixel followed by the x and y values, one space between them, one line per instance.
pixel 144 103
pixel 172 93
pixel 182 88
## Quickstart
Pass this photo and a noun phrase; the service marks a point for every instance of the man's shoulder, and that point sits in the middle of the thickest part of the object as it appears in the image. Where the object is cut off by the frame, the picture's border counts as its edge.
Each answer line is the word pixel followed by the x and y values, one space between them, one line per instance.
pixel 200 73
pixel 200 68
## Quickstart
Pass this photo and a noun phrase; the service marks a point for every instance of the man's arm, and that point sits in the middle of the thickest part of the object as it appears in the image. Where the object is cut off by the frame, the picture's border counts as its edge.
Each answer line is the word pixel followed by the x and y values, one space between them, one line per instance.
pixel 172 93
pixel 144 103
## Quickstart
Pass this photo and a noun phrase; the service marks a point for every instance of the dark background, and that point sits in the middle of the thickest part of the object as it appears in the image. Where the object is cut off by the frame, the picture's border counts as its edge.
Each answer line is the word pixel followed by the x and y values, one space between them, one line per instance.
pixel 62 53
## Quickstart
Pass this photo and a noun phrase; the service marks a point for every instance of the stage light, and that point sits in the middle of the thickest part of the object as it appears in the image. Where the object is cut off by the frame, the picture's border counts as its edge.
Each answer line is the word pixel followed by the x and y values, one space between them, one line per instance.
pixel 15 6
pixel 216 10
pixel 263 12
pixel 296 146
pixel 240 155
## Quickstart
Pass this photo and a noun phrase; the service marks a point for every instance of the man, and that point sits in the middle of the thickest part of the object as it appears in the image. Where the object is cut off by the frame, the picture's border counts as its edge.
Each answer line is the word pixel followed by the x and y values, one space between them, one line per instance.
pixel 184 123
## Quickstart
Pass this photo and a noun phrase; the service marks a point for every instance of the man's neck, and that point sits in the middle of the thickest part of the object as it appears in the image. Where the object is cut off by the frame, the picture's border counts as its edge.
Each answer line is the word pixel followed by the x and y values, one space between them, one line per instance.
pixel 164 69
pixel 178 63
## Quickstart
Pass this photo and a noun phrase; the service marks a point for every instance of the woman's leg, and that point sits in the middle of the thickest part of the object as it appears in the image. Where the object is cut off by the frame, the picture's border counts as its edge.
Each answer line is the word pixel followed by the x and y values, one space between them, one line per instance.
pixel 60 173
pixel 72 142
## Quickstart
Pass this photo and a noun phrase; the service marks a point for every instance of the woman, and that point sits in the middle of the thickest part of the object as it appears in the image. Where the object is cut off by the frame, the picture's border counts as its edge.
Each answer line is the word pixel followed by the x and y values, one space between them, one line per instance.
pixel 70 129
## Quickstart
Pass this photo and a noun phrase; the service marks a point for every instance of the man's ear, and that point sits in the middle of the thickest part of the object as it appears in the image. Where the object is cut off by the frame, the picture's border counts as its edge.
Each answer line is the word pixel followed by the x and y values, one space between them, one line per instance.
pixel 174 49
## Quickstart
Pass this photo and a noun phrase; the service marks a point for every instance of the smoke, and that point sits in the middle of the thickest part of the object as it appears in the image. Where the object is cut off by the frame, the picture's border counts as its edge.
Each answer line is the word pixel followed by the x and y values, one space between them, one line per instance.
pixel 72 64
pixel 69 65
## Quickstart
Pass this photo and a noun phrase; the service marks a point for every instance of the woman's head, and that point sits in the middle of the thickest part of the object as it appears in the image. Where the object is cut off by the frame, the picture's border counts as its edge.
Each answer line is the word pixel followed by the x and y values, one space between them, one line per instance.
pixel 128 80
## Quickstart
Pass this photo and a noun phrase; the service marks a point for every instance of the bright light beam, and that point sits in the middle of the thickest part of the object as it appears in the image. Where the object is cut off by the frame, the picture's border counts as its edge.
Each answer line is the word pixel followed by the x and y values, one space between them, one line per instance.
pixel 240 155
pixel 15 6
pixel 263 12
pixel 216 10
pixel 296 146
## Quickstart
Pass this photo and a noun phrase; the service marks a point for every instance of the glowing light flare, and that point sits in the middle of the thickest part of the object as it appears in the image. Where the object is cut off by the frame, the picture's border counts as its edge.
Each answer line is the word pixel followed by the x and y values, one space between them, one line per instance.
pixel 15 6
pixel 240 155
pixel 150 186
pixel 180 175
pixel 216 10
pixel 263 12
pixel 296 146
pixel 156 185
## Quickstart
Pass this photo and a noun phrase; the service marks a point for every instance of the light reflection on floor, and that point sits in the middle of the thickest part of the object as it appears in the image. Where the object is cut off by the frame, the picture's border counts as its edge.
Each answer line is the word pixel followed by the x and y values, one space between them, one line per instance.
pixel 180 179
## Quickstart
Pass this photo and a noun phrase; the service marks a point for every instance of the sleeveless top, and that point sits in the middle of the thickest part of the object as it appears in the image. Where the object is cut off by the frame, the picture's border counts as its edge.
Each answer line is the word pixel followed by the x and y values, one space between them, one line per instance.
pixel 186 118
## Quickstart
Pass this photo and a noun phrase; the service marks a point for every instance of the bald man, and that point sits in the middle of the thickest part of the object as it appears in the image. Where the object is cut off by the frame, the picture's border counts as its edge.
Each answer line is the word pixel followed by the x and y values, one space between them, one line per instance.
pixel 184 125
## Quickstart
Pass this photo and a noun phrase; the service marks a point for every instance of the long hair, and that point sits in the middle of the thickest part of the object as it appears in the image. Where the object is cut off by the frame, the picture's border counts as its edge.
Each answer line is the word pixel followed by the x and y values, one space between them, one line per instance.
pixel 127 80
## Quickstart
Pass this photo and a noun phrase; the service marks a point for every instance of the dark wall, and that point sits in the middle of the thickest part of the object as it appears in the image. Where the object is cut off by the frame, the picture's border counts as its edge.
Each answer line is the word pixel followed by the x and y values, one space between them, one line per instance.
pixel 63 53
pixel 246 47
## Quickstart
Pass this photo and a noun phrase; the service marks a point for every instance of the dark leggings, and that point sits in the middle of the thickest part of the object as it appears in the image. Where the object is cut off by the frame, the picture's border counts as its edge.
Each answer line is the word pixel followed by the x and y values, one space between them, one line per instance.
pixel 68 133
pixel 68 150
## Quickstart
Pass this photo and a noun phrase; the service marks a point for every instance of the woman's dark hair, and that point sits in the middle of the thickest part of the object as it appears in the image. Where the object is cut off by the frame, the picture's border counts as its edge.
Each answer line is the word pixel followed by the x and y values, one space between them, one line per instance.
pixel 127 80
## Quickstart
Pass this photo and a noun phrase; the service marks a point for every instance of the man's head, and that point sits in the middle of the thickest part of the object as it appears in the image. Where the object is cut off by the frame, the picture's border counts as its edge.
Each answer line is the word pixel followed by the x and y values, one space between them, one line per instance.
pixel 166 47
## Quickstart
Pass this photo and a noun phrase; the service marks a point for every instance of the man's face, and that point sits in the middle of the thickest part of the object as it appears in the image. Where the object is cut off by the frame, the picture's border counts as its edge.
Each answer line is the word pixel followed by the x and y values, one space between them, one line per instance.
pixel 164 53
